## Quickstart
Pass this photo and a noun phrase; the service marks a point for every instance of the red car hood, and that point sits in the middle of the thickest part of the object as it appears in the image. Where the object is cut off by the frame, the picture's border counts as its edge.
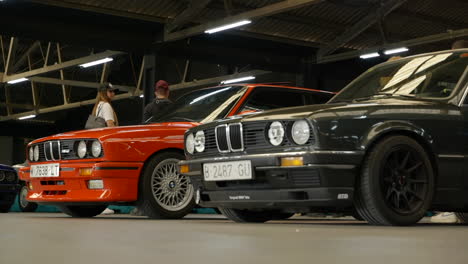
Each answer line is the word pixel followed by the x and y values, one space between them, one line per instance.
pixel 139 131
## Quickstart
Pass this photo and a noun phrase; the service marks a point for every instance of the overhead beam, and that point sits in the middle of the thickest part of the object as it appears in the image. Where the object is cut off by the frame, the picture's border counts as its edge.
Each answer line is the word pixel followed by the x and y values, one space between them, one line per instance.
pixel 188 14
pixel 102 10
pixel 24 57
pixel 269 10
pixel 407 43
pixel 360 27
pixel 11 55
pixel 216 80
pixel 77 83
pixel 63 65
pixel 61 107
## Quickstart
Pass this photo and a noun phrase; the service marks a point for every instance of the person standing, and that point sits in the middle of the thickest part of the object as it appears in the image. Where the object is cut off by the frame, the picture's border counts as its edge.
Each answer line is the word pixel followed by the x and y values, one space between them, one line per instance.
pixel 103 107
pixel 161 101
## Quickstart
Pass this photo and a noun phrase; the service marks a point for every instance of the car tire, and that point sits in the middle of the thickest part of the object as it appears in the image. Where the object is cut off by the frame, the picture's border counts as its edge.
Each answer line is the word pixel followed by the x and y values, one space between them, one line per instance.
pixel 396 185
pixel 164 193
pixel 248 216
pixel 82 210
pixel 23 204
pixel 5 208
pixel 463 217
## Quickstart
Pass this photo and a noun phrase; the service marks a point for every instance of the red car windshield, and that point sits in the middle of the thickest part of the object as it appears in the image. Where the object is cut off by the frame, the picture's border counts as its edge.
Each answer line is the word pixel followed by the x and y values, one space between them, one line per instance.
pixel 203 105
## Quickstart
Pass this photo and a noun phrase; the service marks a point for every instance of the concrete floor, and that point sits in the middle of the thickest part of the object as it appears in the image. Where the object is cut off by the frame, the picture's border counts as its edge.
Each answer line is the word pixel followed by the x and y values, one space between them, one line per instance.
pixel 55 238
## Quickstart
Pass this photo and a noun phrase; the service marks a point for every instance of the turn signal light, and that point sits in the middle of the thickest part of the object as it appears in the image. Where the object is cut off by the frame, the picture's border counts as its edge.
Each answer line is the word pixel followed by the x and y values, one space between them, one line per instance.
pixel 292 161
pixel 86 171
pixel 184 168
pixel 30 186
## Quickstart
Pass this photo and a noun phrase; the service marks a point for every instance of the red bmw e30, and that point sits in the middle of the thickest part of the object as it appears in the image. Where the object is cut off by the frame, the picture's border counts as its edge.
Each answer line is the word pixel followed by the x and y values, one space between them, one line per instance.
pixel 82 172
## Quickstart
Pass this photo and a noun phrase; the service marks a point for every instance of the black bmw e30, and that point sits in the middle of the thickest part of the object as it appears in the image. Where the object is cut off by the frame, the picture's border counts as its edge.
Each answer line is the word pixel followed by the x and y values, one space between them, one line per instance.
pixel 391 145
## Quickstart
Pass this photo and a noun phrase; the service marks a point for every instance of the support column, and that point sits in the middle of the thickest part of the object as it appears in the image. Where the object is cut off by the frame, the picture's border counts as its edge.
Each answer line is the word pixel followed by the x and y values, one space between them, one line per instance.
pixel 65 89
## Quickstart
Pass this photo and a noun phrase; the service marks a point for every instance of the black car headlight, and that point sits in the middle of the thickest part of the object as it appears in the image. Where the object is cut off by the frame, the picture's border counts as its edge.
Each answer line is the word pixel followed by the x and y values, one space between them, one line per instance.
pixel 300 132
pixel 190 143
pixel 276 133
pixel 199 141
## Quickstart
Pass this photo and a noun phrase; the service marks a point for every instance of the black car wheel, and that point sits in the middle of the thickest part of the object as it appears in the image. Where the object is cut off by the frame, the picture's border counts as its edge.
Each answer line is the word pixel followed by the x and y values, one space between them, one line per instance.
pixel 396 184
pixel 463 217
pixel 165 194
pixel 82 211
pixel 24 205
pixel 248 216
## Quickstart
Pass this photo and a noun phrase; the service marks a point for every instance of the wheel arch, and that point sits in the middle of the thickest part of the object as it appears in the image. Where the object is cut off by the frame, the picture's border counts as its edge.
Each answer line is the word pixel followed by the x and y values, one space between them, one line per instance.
pixel 419 136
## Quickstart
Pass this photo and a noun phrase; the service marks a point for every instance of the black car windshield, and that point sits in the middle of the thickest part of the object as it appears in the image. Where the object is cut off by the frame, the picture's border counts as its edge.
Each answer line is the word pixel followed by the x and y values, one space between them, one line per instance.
pixel 202 105
pixel 429 76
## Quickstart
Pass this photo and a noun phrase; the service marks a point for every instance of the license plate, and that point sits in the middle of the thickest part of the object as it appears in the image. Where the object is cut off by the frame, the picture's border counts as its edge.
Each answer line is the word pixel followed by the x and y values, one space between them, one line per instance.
pixel 45 170
pixel 226 171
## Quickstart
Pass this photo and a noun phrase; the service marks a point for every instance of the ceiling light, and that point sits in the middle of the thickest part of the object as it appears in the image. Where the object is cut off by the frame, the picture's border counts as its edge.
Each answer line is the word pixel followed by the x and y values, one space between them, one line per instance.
pixel 101 61
pixel 393 51
pixel 17 80
pixel 238 79
pixel 233 25
pixel 26 117
pixel 369 55
pixel 141 96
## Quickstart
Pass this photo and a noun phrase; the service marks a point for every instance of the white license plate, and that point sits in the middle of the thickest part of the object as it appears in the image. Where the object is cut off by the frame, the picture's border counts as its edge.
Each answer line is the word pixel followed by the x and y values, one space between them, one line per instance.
pixel 226 171
pixel 45 170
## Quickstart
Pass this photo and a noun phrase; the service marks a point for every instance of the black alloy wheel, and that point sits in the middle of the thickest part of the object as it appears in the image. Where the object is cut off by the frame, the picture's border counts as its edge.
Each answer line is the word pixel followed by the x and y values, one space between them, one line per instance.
pixel 396 184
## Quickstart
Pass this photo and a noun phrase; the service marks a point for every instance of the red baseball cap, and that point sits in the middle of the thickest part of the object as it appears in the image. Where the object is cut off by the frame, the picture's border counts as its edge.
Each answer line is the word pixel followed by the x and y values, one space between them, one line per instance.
pixel 161 84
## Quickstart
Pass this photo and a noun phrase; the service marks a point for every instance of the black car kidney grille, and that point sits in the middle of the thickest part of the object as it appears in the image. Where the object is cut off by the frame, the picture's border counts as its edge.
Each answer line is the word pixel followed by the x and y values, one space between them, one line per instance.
pixel 235 137
pixel 221 138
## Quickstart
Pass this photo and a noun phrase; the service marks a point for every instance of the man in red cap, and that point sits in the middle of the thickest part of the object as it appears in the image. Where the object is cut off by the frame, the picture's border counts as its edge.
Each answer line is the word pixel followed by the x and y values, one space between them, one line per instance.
pixel 161 101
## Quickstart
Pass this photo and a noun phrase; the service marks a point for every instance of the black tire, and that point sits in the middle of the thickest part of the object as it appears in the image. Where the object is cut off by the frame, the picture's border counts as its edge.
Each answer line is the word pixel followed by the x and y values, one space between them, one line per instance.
pixel 356 215
pixel 23 204
pixel 82 211
pixel 463 217
pixel 396 186
pixel 248 216
pixel 166 195
pixel 5 208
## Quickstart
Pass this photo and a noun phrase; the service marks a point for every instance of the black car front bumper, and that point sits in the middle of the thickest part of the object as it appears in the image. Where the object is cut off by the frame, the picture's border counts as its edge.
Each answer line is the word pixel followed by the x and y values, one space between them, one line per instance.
pixel 326 180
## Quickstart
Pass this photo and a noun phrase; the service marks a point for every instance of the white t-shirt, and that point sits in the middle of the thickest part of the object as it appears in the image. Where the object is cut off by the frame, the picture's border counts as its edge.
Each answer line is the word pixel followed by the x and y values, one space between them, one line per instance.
pixel 104 110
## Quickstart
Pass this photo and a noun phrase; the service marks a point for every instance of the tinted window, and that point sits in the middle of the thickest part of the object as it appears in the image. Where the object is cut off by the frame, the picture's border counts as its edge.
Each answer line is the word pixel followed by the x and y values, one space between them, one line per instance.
pixel 264 98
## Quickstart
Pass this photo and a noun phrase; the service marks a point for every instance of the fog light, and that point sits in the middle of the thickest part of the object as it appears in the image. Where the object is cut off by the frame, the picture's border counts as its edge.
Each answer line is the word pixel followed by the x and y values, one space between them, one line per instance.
pixel 95 184
pixel 184 168
pixel 30 186
pixel 292 161
pixel 86 171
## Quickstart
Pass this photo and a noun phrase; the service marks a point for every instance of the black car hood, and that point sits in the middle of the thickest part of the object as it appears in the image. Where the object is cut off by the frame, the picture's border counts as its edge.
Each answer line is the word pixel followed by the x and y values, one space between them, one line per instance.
pixel 356 108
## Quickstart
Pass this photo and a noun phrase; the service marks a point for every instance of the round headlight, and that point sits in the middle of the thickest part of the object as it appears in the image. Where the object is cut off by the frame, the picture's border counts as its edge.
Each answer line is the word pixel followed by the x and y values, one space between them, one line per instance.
pixel 81 151
pixel 200 141
pixel 96 149
pixel 31 153
pixel 300 132
pixel 190 144
pixel 36 153
pixel 276 133
pixel 10 176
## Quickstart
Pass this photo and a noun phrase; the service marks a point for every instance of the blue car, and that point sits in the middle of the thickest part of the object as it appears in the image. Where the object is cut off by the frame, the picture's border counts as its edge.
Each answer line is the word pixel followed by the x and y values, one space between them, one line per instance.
pixel 9 187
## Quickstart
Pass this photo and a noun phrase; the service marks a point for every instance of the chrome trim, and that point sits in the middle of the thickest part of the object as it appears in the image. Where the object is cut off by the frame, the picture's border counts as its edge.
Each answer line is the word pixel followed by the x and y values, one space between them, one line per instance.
pixel 463 77
pixel 270 155
pixel 59 150
pixel 45 153
pixel 310 166
pixel 241 137
pixel 448 156
pixel 52 150
pixel 227 139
